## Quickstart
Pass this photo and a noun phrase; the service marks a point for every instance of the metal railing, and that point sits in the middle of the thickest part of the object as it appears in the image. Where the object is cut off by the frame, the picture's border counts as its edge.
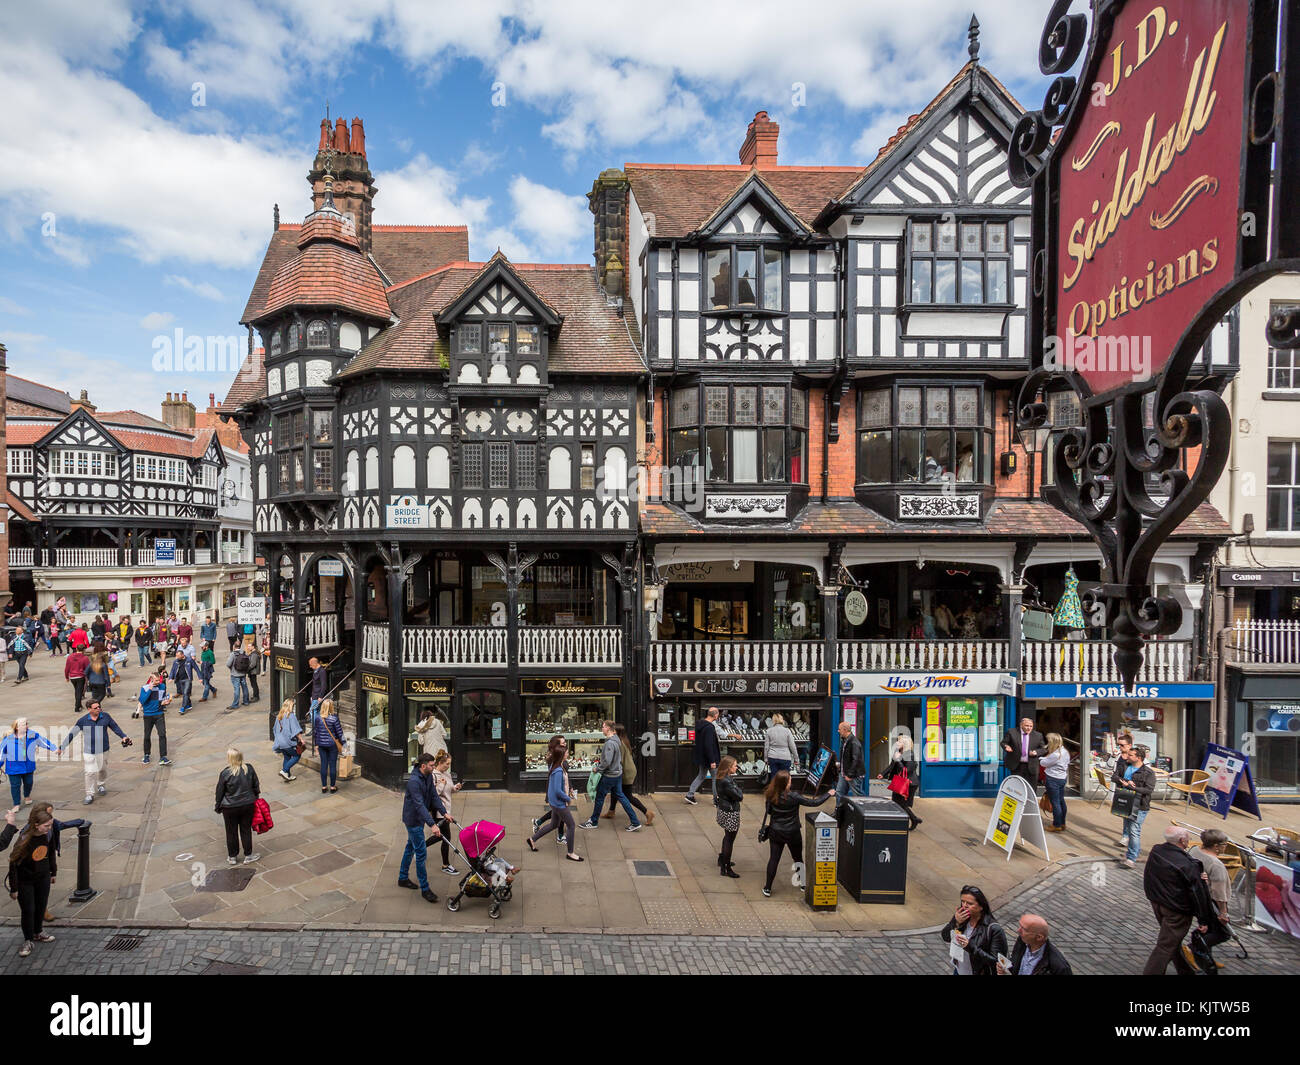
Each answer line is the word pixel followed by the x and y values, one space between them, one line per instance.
pixel 923 655
pixel 1269 642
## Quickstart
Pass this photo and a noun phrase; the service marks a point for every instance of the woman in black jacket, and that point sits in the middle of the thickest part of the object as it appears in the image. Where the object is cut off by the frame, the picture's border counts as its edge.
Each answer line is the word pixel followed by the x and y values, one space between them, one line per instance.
pixel 238 790
pixel 903 761
pixel 32 869
pixel 782 816
pixel 975 940
pixel 727 797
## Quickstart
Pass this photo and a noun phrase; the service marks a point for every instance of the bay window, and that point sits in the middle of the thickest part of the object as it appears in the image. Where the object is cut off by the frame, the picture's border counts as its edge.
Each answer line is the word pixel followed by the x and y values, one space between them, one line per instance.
pixel 740 276
pixel 305 440
pixel 928 434
pixel 749 434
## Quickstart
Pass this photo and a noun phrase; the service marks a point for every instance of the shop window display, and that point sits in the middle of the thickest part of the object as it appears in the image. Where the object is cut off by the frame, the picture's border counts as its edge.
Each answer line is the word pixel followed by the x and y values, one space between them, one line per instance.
pixel 577 718
pixel 377 717
pixel 741 734
pixel 965 729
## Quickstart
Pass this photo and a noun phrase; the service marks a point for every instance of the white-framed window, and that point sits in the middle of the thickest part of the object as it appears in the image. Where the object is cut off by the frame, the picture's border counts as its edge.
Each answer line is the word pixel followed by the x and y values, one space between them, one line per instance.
pixel 207 476
pixel 154 468
pixel 19 461
pixel 951 263
pixel 67 462
pixel 1283 363
pixel 1283 486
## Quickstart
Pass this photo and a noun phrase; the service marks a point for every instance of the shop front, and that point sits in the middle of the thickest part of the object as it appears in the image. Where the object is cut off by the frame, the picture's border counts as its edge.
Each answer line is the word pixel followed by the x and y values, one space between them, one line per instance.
pixel 1264 723
pixel 1088 717
pixel 955 720
pixel 572 707
pixel 746 704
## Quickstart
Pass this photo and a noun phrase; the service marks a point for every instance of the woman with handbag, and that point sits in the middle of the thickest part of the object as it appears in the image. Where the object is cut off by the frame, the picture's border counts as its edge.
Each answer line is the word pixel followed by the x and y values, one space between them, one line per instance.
pixel 629 777
pixel 328 734
pixel 1056 765
pixel 560 797
pixel 727 797
pixel 446 788
pixel 288 739
pixel 779 750
pixel 974 939
pixel 780 828
pixel 903 778
pixel 238 790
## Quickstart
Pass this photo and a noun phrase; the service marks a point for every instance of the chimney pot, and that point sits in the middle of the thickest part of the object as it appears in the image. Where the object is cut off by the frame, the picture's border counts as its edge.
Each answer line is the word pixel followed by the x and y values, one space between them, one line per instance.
pixel 185 397
pixel 358 138
pixel 760 147
pixel 324 135
pixel 341 136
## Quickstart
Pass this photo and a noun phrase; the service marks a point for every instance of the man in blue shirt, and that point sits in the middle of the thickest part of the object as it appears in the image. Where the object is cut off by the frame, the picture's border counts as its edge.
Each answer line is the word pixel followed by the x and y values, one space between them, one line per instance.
pixel 152 704
pixel 96 724
pixel 183 674
pixel 419 806
pixel 208 630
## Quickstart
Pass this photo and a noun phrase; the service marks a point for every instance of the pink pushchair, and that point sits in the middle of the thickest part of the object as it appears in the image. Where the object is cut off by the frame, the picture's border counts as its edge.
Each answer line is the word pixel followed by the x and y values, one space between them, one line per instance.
pixel 490 875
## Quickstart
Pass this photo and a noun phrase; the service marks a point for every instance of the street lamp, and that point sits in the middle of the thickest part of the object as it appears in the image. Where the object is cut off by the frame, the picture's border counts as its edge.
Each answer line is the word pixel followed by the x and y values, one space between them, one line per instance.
pixel 1033 427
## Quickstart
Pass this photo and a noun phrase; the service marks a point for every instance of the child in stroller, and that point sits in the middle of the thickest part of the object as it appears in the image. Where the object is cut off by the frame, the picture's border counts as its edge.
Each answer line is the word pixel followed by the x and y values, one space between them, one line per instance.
pixel 489 876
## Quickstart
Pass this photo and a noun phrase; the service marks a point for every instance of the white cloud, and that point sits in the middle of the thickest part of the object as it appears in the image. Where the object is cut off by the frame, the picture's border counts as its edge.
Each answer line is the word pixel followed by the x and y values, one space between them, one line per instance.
pixel 555 221
pixel 421 193
pixel 8 306
pixel 204 289
pixel 156 320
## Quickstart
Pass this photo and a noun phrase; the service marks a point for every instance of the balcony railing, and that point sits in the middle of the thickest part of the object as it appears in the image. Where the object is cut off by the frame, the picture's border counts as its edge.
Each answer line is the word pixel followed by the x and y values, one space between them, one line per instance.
pixel 284 630
pixel 1093 661
pixel 873 656
pixel 21 557
pixel 322 630
pixel 145 556
pixel 374 644
pixel 754 656
pixel 441 647
pixel 85 556
pixel 569 646
pixel 1267 642
pixel 202 556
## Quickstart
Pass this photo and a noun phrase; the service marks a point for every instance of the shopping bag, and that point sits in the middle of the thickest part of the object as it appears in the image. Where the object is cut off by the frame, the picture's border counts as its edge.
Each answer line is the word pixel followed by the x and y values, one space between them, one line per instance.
pixel 593 782
pixel 1124 804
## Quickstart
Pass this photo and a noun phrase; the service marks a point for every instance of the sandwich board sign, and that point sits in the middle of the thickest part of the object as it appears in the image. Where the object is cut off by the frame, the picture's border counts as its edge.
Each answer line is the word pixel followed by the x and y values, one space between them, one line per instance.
pixel 1230 783
pixel 1016 813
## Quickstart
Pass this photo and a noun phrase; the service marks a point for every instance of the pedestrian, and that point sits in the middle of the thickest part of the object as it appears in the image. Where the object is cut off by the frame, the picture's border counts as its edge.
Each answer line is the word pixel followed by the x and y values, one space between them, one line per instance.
pixel 74 671
pixel 1210 854
pixel 124 631
pixel 287 731
pixel 1138 776
pixel 1056 766
pixel 1022 748
pixel 96 724
pixel 610 768
pixel 151 704
pixel 727 798
pixel 781 827
pixel 238 790
pixel 556 741
pixel 97 676
pixel 22 649
pixel 232 632
pixel 707 751
pixel 32 871
pixel 903 778
pixel 319 681
pixel 144 643
pixel 853 767
pixel 974 938
pixel 560 798
pixel 779 750
pixel 421 807
pixel 238 664
pixel 327 731
pixel 207 666
pixel 4 656
pixel 1034 954
pixel 208 631
pixel 629 777
pixel 97 627
pixel 254 667
pixel 184 629
pixel 1173 885
pixel 431 733
pixel 19 754
pixel 446 788
pixel 182 674
pixel 78 637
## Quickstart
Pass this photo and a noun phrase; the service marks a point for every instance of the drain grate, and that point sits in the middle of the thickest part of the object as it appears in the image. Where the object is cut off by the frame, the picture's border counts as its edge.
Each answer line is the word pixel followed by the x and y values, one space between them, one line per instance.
pixel 228 968
pixel 651 868
pixel 228 879
pixel 123 943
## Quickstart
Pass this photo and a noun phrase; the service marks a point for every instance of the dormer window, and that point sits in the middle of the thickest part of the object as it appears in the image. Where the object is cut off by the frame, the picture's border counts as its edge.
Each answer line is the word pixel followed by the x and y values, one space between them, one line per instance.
pixel 958 263
pixel 498 340
pixel 743 277
pixel 527 341
pixel 503 338
pixel 318 334
pixel 275 344
pixel 469 339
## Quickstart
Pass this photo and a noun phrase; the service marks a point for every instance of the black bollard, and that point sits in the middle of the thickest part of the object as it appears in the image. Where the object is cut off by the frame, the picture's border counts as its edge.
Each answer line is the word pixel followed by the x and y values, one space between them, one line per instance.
pixel 84 892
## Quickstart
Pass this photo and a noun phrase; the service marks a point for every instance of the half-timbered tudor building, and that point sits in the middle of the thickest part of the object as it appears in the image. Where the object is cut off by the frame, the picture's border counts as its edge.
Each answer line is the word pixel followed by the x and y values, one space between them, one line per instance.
pixel 441 451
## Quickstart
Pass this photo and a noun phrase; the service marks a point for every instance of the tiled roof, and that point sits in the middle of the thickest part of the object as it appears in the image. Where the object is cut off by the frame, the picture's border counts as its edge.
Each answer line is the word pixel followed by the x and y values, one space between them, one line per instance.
pixel 1006 519
pixel 683 197
pixel 401 252
pixel 328 271
pixel 129 417
pixel 22 434
pixel 593 339
pixel 18 507
pixel 39 398
pixel 227 432
pixel 16 409
pixel 249 384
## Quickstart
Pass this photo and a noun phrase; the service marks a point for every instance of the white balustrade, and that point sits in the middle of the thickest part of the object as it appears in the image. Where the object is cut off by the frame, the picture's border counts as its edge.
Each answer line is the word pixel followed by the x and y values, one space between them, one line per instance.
pixel 750 656
pixel 444 646
pixel 145 556
pixel 22 557
pixel 284 630
pixel 202 556
pixel 877 656
pixel 85 556
pixel 374 644
pixel 321 630
pixel 1093 661
pixel 1259 640
pixel 571 645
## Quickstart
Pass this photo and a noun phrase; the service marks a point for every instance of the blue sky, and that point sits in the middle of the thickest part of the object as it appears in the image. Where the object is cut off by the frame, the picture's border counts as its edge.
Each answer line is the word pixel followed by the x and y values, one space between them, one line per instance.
pixel 133 205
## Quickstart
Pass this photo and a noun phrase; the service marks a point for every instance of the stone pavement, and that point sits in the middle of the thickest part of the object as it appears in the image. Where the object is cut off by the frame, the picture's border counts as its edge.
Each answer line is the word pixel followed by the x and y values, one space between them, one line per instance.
pixel 159 855
pixel 1099 920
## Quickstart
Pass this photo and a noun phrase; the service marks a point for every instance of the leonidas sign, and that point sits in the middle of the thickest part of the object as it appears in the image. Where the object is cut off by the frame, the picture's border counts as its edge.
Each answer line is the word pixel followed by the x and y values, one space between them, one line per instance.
pixel 1149 189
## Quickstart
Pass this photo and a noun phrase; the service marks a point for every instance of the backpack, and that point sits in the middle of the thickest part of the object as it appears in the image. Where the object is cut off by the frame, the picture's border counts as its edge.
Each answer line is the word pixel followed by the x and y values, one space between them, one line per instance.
pixel 240 663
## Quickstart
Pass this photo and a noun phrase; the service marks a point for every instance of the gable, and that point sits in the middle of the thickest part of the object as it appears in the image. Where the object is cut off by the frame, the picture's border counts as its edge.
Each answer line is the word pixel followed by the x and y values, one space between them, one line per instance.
pixel 753 210
pixel 497 291
pixel 79 430
pixel 498 301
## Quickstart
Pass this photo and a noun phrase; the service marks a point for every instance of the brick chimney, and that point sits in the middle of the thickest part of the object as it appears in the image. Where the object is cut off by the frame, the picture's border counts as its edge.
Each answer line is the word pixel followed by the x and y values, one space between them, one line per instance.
pixel 5 515
pixel 759 148
pixel 608 202
pixel 178 411
pixel 354 187
pixel 83 402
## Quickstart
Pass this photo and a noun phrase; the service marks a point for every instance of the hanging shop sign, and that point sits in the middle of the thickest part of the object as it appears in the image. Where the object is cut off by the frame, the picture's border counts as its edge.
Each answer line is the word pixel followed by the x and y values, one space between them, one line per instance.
pixel 164 551
pixel 284 662
pixel 855 607
pixel 250 611
pixel 570 686
pixel 160 582
pixel 375 682
pixel 418 686
pixel 750 685
pixel 1037 624
pixel 927 683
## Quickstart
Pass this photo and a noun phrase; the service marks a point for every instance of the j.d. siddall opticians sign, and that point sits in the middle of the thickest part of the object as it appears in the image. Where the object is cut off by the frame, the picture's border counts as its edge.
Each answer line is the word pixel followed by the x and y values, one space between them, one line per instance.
pixel 926 684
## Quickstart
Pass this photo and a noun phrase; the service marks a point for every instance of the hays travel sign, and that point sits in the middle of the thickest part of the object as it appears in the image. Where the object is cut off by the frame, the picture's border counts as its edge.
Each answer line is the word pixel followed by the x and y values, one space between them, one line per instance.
pixel 926 684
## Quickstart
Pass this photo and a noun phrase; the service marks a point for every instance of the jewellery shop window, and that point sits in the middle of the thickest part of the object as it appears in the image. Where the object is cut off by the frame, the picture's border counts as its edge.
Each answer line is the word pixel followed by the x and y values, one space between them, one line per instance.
pixel 966 729
pixel 574 709
pixel 741 734
pixel 375 694
pixel 432 723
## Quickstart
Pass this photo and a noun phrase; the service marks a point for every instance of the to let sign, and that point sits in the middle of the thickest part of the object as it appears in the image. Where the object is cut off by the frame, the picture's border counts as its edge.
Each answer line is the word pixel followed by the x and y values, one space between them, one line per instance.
pixel 1150 184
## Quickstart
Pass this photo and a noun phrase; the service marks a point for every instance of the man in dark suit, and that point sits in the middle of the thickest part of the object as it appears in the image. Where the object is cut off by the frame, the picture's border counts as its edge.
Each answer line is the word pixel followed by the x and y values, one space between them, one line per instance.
pixel 1022 747
pixel 1034 954
pixel 707 752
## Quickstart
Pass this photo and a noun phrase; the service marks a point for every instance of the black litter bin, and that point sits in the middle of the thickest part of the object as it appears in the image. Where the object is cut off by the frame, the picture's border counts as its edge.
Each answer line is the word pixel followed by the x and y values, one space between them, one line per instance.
pixel 873 851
